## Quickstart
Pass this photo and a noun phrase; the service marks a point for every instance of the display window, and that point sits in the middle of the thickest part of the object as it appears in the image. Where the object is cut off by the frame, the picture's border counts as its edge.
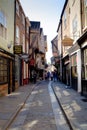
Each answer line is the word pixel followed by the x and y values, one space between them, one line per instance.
pixel 3 70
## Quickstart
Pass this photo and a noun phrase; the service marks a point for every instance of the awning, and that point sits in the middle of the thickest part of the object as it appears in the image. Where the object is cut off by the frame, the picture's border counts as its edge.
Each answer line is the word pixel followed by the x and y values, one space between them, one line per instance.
pixel 67 41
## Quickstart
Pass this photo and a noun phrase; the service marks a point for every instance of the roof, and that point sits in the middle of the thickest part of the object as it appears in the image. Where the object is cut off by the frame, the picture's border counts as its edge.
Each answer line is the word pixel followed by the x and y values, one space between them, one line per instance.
pixel 35 24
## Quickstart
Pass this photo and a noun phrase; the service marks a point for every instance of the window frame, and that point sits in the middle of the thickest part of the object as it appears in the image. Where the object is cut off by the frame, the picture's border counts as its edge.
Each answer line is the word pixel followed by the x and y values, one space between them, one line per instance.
pixel 3 70
pixel 17 34
pixel 3 25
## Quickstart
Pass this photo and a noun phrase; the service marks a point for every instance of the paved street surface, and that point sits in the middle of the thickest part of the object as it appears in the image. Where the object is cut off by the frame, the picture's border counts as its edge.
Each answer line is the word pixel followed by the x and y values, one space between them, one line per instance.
pixel 73 106
pixel 38 113
pixel 34 107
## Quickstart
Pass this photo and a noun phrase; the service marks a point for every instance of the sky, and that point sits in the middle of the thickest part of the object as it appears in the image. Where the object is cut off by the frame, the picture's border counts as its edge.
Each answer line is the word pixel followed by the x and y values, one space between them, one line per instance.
pixel 48 13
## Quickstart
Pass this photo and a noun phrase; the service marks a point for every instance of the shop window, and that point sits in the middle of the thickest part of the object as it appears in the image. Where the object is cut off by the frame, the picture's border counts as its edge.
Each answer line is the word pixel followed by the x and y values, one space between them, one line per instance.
pixel 74 71
pixel 85 62
pixel 74 60
pixel 83 72
pixel 3 70
pixel 74 65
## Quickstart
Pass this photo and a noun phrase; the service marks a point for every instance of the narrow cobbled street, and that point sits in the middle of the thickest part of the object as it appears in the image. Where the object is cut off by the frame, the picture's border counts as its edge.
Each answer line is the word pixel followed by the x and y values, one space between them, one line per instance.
pixel 40 112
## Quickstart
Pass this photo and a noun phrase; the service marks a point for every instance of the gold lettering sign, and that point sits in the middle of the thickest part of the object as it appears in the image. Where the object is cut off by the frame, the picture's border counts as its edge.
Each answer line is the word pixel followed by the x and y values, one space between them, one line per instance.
pixel 18 49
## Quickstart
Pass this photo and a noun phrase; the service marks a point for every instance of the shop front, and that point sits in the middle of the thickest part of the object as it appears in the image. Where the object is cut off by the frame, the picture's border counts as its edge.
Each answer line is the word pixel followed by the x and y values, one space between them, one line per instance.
pixel 82 42
pixel 7 80
pixel 84 71
pixel 75 67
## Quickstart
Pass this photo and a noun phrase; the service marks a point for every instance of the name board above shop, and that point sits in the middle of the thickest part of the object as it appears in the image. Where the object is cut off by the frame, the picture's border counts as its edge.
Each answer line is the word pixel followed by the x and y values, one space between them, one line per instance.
pixel 18 49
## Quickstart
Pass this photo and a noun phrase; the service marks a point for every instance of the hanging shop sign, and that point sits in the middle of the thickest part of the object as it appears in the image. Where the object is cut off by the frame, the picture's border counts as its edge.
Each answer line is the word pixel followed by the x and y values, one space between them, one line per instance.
pixel 18 49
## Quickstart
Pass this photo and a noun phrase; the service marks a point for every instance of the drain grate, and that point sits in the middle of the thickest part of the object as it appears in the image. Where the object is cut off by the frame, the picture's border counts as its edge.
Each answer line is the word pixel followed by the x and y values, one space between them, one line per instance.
pixel 84 100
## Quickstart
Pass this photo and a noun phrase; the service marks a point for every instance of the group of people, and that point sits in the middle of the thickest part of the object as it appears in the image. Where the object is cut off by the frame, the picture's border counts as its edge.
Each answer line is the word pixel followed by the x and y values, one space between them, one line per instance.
pixel 51 76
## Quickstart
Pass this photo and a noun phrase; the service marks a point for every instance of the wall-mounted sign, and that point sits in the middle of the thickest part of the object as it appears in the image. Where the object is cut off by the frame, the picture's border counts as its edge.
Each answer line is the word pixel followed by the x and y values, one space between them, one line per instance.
pixel 18 49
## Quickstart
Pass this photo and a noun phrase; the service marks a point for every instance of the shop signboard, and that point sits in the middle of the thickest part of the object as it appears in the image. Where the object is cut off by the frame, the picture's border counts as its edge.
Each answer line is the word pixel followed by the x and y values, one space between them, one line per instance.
pixel 18 49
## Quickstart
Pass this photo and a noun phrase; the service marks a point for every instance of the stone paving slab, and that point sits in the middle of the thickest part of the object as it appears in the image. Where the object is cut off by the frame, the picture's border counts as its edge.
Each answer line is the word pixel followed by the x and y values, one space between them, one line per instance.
pixel 11 104
pixel 72 105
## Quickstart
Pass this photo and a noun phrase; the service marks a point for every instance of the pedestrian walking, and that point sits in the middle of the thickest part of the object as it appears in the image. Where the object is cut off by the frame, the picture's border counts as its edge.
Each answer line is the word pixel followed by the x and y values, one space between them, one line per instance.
pixel 51 75
pixel 48 75
pixel 54 76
